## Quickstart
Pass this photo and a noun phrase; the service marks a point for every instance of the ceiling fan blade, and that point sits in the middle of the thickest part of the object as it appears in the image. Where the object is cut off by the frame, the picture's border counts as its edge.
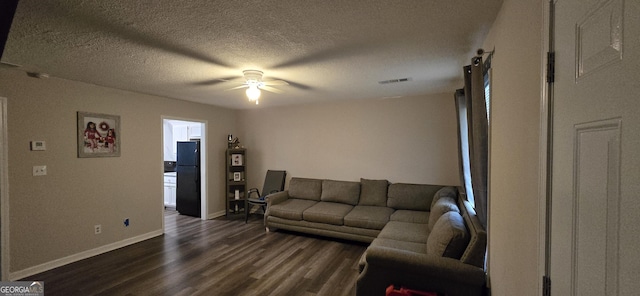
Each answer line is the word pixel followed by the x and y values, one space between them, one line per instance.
pixel 232 79
pixel 300 85
pixel 295 84
pixel 9 65
pixel 209 82
pixel 238 87
pixel 275 82
pixel 271 89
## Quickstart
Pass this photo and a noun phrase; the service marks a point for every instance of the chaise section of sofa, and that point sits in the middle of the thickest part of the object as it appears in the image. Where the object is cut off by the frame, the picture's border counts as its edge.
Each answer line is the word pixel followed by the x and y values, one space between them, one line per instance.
pixel 449 259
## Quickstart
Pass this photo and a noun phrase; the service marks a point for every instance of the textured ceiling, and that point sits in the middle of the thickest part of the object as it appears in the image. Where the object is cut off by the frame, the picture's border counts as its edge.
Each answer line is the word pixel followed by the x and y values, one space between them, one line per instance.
pixel 326 50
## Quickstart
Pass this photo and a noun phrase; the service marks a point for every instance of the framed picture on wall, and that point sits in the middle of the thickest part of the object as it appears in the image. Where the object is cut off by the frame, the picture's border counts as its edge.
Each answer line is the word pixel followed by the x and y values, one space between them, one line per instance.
pixel 236 159
pixel 98 135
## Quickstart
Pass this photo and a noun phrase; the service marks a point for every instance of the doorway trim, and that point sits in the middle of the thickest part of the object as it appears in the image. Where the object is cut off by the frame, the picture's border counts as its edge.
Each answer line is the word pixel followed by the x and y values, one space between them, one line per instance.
pixel 4 193
pixel 203 161
pixel 545 147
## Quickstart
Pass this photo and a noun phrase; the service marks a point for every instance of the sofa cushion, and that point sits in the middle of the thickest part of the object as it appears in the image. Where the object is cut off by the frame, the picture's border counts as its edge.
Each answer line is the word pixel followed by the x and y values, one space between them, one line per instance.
pixel 400 245
pixel 411 196
pixel 304 188
pixel 327 212
pixel 449 237
pixel 291 208
pixel 445 191
pixel 373 192
pixel 442 205
pixel 341 192
pixel 404 231
pixel 370 217
pixel 410 216
pixel 392 244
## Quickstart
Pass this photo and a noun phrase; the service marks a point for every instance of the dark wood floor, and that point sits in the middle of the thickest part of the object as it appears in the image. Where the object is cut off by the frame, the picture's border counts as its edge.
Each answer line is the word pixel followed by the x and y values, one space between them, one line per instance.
pixel 215 257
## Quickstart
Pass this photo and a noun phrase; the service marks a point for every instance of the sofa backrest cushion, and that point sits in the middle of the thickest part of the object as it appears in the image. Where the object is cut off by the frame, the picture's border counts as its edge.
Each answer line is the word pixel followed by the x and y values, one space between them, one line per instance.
pixel 304 188
pixel 449 237
pixel 443 201
pixel 445 191
pixel 415 197
pixel 373 192
pixel 340 191
pixel 440 207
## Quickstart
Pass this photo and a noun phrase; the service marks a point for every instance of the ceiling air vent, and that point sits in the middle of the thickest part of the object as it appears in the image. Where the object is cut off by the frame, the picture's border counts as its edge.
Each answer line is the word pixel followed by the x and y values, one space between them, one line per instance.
pixel 395 80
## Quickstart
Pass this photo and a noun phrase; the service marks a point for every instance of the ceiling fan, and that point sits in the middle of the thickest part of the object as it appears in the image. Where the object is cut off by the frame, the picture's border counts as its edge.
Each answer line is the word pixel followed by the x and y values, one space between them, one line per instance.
pixel 254 83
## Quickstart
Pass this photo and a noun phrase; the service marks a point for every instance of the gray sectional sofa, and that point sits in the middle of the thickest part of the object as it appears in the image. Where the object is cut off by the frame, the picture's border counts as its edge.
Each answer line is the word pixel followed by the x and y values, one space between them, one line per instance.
pixel 421 236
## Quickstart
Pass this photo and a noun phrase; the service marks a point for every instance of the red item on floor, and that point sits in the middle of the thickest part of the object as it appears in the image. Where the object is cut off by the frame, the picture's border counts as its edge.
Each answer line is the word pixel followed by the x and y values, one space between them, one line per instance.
pixel 392 291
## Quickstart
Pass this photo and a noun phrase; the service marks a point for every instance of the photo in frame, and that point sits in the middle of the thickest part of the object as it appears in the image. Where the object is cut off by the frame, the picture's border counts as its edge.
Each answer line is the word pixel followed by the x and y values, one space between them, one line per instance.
pixel 236 159
pixel 98 135
pixel 237 176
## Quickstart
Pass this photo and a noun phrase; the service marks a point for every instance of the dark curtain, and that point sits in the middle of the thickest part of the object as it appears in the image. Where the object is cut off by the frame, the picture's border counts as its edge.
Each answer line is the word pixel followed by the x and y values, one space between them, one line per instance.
pixel 472 102
pixel 7 11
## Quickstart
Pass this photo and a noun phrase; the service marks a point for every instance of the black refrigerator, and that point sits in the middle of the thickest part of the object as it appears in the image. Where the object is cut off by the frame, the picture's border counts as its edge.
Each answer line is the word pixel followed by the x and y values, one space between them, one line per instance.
pixel 188 178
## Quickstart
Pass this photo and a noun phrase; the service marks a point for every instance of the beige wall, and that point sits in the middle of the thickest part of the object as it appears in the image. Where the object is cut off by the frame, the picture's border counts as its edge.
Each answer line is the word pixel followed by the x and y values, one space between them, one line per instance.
pixel 410 140
pixel 52 216
pixel 515 140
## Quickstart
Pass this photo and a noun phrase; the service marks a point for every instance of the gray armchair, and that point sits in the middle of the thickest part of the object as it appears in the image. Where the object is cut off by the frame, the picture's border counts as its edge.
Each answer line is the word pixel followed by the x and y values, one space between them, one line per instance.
pixel 273 182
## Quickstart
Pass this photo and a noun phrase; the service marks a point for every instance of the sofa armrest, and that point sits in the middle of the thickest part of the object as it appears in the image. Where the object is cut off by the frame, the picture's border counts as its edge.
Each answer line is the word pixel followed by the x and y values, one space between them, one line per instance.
pixel 276 198
pixel 388 266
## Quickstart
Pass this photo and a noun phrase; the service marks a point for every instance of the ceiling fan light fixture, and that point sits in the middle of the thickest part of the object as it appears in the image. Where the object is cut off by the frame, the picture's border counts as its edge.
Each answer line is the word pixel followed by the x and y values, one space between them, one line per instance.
pixel 253 93
pixel 255 85
pixel 254 75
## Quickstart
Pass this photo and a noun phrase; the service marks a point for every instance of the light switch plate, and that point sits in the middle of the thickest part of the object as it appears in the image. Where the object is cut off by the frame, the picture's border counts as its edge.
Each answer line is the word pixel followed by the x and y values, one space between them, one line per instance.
pixel 38 146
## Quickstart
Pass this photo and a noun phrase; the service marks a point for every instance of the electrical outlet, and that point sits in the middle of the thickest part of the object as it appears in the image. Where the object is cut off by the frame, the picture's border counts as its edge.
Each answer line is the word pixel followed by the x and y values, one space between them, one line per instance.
pixel 39 170
pixel 97 228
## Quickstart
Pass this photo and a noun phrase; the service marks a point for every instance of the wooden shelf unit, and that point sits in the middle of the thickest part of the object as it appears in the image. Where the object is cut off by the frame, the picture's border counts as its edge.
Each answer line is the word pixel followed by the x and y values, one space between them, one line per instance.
pixel 236 180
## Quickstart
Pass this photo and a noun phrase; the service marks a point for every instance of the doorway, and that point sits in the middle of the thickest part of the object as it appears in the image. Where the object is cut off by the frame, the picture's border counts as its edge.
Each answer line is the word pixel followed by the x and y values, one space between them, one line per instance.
pixel 181 129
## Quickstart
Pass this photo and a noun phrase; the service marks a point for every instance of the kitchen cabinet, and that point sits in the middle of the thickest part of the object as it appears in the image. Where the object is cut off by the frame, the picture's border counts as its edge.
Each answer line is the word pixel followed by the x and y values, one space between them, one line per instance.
pixel 195 132
pixel 170 190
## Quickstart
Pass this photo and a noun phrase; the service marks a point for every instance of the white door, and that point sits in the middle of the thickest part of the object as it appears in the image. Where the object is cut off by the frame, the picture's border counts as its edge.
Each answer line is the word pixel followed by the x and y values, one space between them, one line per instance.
pixel 595 242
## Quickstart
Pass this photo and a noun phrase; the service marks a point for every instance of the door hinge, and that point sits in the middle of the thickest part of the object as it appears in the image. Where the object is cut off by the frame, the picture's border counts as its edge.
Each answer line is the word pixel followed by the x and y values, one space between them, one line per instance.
pixel 546 286
pixel 551 67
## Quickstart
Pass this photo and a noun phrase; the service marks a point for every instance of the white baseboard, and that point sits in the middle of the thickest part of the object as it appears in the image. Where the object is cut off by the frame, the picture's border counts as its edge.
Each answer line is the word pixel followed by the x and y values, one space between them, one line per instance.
pixel 82 255
pixel 216 215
